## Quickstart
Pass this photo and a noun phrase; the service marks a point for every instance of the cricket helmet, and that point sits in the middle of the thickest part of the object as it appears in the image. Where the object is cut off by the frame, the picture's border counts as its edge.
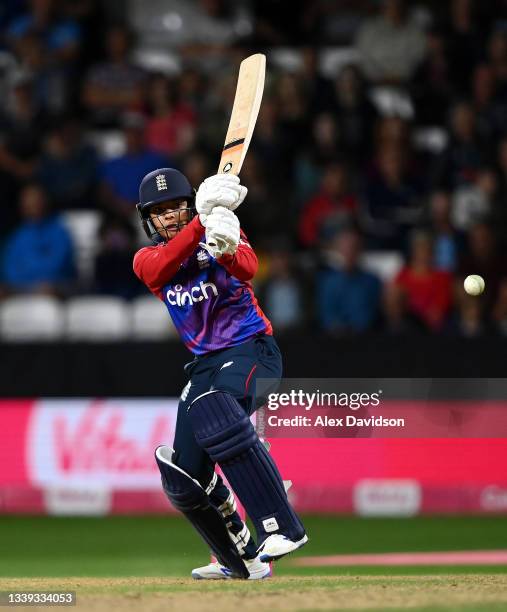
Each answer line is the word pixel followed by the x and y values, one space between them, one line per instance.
pixel 160 186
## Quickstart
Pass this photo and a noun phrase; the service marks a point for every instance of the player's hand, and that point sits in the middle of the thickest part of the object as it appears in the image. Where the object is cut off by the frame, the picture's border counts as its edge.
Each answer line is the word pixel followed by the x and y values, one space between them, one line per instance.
pixel 219 190
pixel 222 232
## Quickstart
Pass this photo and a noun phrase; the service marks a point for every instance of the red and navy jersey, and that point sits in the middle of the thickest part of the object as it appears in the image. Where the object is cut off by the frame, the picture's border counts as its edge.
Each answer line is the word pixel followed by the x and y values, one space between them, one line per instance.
pixel 211 302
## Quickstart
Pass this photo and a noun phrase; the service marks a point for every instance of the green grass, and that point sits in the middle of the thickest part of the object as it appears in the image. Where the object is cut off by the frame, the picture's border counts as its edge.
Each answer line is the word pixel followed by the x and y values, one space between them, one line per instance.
pixel 133 563
pixel 167 545
pixel 451 593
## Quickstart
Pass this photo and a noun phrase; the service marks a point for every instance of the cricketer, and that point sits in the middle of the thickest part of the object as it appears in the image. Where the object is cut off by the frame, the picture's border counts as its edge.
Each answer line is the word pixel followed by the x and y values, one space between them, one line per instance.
pixel 201 267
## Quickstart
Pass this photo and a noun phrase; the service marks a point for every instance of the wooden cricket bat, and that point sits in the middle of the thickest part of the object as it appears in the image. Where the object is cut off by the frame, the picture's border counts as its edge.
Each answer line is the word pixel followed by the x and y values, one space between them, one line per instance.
pixel 245 110
pixel 247 103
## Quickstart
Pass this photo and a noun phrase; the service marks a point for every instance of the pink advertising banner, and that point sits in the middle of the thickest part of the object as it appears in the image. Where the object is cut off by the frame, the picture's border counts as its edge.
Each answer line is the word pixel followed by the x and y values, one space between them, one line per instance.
pixel 89 456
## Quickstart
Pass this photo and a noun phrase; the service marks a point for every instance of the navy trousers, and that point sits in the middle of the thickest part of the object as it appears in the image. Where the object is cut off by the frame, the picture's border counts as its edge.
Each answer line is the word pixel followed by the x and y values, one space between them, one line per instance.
pixel 234 370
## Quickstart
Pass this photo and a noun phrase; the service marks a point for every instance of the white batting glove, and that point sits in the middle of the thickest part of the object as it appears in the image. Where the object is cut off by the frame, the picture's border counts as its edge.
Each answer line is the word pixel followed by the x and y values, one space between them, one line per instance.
pixel 219 190
pixel 222 232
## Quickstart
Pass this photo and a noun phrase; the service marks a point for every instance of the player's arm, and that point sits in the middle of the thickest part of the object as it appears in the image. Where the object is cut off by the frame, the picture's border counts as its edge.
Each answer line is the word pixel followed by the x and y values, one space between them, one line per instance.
pixel 229 245
pixel 243 264
pixel 156 267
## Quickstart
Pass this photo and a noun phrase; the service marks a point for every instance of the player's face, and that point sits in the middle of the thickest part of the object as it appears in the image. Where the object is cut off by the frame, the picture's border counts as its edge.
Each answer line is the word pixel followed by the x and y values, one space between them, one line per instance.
pixel 169 217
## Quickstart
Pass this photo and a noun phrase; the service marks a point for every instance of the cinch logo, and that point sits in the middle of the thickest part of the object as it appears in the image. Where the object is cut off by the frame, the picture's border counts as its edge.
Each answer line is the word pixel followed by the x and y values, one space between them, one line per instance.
pixel 195 294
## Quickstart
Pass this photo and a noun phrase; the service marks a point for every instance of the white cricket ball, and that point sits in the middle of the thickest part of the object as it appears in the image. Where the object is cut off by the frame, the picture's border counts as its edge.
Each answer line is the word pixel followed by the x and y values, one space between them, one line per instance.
pixel 474 284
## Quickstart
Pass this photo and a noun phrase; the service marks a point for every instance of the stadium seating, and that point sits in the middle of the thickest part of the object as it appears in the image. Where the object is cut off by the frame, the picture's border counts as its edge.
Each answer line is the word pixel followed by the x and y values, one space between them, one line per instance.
pixel 97 319
pixel 150 320
pixel 31 318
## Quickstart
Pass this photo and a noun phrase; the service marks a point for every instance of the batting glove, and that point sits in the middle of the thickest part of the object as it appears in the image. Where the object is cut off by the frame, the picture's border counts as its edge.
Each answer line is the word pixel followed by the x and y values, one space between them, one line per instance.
pixel 219 190
pixel 222 232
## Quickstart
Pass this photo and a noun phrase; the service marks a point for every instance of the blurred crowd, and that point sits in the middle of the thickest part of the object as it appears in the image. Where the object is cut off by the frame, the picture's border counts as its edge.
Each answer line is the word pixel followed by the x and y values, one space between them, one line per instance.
pixel 377 174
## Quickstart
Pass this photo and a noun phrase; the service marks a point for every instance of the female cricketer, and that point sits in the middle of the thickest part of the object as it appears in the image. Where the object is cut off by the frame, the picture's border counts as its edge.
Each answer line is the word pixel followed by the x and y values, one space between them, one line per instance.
pixel 201 267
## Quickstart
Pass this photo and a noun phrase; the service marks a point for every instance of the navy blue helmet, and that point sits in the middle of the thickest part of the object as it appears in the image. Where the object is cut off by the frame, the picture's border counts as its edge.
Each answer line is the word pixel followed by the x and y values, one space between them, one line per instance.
pixel 159 186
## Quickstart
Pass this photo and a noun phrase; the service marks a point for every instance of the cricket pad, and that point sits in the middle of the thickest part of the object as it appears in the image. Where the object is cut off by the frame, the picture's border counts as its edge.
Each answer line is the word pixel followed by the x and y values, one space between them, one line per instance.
pixel 187 495
pixel 223 429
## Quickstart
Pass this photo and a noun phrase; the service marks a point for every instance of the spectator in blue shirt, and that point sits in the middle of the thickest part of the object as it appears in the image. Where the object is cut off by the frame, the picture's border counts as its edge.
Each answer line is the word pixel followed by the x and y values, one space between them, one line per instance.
pixel 348 297
pixel 281 292
pixel 38 255
pixel 121 176
pixel 61 36
pixel 68 166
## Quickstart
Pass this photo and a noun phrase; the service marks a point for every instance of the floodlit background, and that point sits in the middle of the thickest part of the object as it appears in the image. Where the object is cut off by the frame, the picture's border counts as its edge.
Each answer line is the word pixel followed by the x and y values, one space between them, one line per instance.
pixel 377 180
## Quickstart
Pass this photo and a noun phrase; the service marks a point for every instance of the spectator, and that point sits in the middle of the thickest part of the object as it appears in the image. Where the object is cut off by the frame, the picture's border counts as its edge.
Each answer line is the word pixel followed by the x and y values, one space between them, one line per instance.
pixel 447 242
pixel 393 132
pixel 196 167
pixel 431 85
pixel 420 291
pixel 60 36
pixel 122 175
pixel 68 166
pixel 471 321
pixel 475 202
pixel 293 119
pixel 333 201
pixel 461 160
pixel 192 89
pixel 324 147
pixel 390 46
pixel 219 100
pixel 348 297
pixel 484 258
pixel 489 108
pixel 322 150
pixel 50 80
pixel 280 293
pixel 258 219
pixel 355 114
pixel 171 127
pixel 21 133
pixel 113 265
pixel 267 142
pixel 39 254
pixel 497 57
pixel 463 43
pixel 319 89
pixel 391 200
pixel 115 85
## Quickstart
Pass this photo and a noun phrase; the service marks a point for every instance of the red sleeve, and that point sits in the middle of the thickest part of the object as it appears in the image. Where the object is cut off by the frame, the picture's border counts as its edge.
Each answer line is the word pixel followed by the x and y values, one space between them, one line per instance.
pixel 155 266
pixel 243 264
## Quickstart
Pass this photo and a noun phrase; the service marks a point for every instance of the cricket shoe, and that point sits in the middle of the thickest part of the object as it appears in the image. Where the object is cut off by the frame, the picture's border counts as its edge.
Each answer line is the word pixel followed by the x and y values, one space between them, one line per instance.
pixel 217 571
pixel 277 546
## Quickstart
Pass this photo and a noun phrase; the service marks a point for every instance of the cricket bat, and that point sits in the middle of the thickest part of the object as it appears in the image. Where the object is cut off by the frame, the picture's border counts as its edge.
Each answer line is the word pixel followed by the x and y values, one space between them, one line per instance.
pixel 245 110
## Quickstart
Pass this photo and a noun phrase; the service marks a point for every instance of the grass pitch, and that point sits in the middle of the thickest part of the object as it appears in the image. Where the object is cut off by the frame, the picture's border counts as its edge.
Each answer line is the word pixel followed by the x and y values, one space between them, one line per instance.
pixel 143 563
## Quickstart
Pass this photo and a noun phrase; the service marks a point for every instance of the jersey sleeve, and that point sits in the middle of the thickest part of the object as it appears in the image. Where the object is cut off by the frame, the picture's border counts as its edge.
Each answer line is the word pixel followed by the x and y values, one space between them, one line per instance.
pixel 243 264
pixel 155 266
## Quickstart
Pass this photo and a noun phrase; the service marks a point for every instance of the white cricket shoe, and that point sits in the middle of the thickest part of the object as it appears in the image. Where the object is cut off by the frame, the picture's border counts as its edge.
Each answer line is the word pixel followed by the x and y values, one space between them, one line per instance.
pixel 277 546
pixel 217 571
